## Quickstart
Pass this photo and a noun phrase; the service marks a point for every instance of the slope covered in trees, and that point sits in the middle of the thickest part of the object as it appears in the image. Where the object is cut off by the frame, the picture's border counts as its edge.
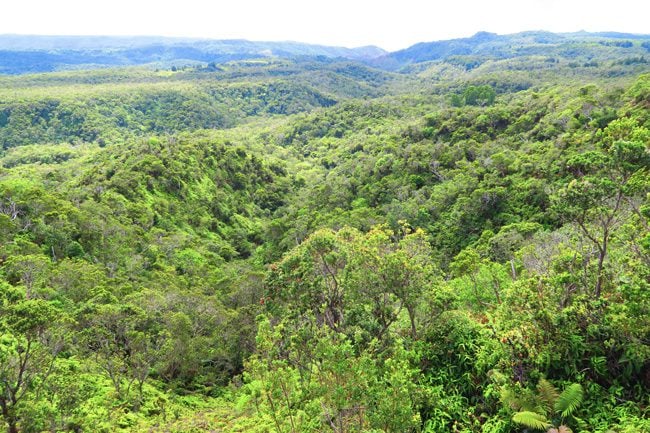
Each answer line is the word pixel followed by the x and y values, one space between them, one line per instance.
pixel 20 54
pixel 314 245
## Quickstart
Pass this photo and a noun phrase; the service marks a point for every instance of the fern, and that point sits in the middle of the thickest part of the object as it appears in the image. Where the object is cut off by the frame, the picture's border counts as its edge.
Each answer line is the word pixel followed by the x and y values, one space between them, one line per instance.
pixel 569 400
pixel 531 420
pixel 534 408
pixel 548 395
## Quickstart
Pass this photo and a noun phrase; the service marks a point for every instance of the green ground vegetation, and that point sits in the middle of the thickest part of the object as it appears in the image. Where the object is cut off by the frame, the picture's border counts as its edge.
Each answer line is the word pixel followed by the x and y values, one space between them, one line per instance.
pixel 316 245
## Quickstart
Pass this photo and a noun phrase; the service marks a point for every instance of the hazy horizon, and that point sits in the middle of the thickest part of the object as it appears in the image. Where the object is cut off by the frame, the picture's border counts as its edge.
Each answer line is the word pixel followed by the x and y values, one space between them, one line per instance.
pixel 339 23
pixel 197 38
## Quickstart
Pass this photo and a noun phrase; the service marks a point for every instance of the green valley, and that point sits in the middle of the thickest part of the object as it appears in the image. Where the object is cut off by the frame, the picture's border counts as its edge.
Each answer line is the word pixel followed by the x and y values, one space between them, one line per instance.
pixel 454 237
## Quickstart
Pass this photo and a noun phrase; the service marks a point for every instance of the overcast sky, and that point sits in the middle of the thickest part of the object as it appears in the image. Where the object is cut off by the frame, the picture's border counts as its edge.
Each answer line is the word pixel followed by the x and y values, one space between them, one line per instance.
pixel 389 24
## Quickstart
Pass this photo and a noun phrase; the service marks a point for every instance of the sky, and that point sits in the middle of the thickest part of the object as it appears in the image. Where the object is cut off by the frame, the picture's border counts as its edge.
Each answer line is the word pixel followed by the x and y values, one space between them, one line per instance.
pixel 391 25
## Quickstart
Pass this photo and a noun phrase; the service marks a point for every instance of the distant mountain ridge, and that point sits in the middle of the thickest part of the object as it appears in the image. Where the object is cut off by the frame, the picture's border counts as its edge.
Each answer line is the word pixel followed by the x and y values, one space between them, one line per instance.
pixel 25 53
pixel 32 54
pixel 492 45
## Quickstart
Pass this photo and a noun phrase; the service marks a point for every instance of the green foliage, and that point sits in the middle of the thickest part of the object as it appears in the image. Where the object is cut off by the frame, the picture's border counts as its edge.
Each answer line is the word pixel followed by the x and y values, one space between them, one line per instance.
pixel 474 95
pixel 479 95
pixel 228 248
pixel 547 402
pixel 532 420
pixel 569 400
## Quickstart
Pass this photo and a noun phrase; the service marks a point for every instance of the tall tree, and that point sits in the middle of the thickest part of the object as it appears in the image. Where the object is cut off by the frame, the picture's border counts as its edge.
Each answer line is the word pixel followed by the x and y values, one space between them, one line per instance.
pixel 28 350
pixel 606 184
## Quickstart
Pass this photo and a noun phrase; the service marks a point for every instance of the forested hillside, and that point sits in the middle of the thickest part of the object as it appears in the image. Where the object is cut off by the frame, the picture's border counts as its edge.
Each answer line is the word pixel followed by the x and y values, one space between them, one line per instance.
pixel 458 242
pixel 20 54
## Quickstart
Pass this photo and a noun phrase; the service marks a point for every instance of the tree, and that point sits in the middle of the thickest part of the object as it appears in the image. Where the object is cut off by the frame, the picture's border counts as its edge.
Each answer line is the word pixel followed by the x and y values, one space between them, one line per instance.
pixel 28 350
pixel 29 269
pixel 378 275
pixel 310 278
pixel 479 95
pixel 605 187
pixel 125 345
pixel 391 269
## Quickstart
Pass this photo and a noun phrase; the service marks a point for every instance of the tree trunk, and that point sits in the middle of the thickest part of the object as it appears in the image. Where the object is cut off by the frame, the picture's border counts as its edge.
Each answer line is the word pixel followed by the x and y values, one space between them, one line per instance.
pixel 10 419
pixel 411 311
pixel 602 252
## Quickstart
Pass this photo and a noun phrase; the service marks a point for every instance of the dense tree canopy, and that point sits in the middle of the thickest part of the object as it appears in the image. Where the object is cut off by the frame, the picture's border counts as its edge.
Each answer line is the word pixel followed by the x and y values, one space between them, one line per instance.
pixel 314 245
